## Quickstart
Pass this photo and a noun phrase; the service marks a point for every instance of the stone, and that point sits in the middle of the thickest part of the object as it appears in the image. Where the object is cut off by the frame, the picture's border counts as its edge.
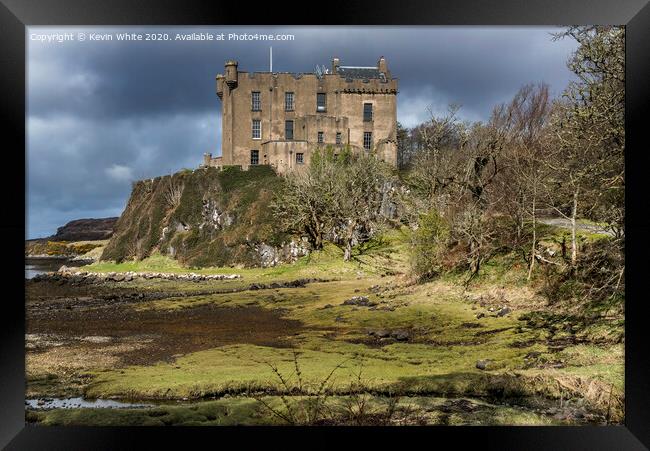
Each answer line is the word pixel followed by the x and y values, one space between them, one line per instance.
pixel 504 311
pixel 380 333
pixel 480 315
pixel 362 301
pixel 400 335
pixel 483 364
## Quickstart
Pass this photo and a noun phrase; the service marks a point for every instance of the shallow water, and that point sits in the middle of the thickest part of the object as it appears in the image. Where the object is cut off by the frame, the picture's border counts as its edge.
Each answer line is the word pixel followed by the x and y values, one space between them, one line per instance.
pixel 35 266
pixel 75 403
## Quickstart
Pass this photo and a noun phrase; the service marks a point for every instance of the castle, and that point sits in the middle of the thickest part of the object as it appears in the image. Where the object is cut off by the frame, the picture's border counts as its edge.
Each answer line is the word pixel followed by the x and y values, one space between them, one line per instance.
pixel 280 118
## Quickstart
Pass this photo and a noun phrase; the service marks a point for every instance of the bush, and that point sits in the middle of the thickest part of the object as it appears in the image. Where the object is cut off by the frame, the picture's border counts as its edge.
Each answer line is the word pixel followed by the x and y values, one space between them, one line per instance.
pixel 429 244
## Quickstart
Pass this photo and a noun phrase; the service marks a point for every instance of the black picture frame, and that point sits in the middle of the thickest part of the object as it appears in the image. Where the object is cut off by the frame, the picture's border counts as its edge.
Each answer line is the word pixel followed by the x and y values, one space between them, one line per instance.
pixel 15 15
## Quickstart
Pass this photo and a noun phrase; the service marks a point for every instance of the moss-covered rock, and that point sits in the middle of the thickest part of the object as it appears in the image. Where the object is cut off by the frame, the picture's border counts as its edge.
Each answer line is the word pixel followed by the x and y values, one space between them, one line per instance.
pixel 206 217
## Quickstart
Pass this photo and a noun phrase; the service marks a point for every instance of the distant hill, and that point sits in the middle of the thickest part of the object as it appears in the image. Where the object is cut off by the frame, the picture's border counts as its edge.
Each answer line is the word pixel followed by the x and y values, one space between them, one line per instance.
pixel 85 230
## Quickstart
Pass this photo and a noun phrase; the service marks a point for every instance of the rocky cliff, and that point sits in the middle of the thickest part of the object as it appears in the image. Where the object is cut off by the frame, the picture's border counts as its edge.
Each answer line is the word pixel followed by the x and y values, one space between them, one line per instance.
pixel 204 217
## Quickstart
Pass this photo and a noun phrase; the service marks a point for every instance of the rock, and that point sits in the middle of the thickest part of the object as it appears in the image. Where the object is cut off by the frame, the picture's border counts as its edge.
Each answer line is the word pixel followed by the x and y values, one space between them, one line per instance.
pixel 504 311
pixel 480 315
pixel 118 277
pixel 361 301
pixel 326 306
pixel 461 405
pixel 483 364
pixel 380 333
pixel 339 319
pixel 400 335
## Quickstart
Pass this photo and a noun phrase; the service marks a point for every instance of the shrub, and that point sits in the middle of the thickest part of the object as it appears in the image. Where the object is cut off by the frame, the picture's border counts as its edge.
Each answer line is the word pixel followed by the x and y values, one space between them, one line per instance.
pixel 430 241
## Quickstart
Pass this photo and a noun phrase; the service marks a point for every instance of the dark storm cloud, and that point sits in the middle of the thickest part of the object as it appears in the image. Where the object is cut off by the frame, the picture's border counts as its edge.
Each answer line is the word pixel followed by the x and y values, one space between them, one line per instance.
pixel 102 114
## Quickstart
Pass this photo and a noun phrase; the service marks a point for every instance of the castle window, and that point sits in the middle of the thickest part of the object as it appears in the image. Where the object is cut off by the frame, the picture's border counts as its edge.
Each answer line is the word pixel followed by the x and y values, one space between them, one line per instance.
pixel 257 129
pixel 367 140
pixel 255 157
pixel 288 101
pixel 288 129
pixel 256 102
pixel 338 137
pixel 321 102
pixel 300 158
pixel 367 112
pixel 320 137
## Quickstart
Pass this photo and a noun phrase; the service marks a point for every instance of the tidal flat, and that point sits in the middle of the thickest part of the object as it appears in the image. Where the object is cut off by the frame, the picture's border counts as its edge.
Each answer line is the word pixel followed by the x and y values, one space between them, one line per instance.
pixel 358 344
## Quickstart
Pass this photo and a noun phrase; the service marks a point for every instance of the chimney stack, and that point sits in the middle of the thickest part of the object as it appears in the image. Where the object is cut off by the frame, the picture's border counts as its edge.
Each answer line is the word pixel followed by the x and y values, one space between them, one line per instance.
pixel 335 64
pixel 382 66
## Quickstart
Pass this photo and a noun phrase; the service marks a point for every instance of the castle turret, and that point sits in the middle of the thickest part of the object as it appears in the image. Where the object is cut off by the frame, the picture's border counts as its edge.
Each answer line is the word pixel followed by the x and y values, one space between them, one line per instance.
pixel 231 74
pixel 219 79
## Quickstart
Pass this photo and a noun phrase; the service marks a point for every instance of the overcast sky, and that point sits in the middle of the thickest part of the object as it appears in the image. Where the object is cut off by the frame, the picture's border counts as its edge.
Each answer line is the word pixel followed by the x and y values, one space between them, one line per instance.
pixel 102 114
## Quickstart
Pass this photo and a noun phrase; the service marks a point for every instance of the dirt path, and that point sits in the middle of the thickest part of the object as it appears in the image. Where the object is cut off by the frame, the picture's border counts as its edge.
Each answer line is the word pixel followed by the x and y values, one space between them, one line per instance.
pixel 566 224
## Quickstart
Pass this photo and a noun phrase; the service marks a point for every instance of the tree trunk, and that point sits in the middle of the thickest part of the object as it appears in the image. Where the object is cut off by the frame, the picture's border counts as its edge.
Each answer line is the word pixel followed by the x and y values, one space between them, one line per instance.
pixel 574 243
pixel 534 245
pixel 475 262
pixel 347 253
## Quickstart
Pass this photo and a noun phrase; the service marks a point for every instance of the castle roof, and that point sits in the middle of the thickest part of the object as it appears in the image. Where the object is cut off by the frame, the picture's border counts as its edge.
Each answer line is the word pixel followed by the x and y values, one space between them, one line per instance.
pixel 356 72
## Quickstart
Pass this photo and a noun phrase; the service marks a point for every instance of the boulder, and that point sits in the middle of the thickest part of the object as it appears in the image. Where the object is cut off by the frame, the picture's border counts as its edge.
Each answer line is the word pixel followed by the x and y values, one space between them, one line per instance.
pixel 361 301
pixel 400 335
pixel 379 333
pixel 503 311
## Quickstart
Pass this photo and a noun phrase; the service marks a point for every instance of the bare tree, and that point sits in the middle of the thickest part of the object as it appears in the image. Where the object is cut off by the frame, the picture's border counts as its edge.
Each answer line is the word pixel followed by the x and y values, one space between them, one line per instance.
pixel 339 197
pixel 304 206
pixel 526 172
pixel 589 138
pixel 360 185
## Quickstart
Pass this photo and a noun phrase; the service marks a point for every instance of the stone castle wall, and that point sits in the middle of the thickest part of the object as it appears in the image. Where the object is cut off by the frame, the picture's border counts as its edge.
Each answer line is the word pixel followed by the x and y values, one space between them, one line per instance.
pixel 345 98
